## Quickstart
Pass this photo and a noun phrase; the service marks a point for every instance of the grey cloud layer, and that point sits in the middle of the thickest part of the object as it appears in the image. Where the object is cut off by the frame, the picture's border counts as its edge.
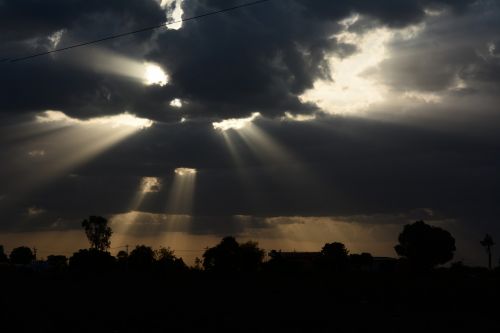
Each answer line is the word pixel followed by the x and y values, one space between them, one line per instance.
pixel 362 167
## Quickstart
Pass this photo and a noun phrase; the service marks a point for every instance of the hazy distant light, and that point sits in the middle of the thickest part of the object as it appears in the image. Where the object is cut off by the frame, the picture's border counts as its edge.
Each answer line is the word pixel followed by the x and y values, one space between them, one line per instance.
pixel 176 103
pixel 37 153
pixel 183 120
pixel 55 38
pixel 33 211
pixel 298 117
pixel 423 97
pixel 115 121
pixel 150 185
pixel 492 49
pixel 185 172
pixel 154 75
pixel 235 123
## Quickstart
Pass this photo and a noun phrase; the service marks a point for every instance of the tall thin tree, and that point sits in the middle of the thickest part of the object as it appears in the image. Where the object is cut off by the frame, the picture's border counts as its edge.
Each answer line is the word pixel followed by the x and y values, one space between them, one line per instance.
pixel 98 232
pixel 488 243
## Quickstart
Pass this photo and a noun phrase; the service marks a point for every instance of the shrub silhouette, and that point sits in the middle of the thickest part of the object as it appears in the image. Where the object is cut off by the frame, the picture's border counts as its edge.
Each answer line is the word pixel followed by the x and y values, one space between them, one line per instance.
pixel 91 260
pixel 21 255
pixel 57 263
pixel 3 256
pixel 361 261
pixel 425 246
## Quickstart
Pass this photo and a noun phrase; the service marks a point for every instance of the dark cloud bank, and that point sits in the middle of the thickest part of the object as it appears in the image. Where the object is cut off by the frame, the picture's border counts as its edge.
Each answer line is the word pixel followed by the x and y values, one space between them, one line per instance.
pixel 262 59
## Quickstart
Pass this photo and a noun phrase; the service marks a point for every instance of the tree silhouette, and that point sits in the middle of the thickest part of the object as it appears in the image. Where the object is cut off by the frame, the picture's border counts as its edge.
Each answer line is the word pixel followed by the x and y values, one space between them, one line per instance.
pixel 98 232
pixel 122 256
pixel 91 261
pixel 141 258
pixel 166 261
pixel 488 243
pixel 335 256
pixel 229 256
pixel 3 256
pixel 57 263
pixel 250 257
pixel 425 246
pixel 223 257
pixel 361 261
pixel 22 255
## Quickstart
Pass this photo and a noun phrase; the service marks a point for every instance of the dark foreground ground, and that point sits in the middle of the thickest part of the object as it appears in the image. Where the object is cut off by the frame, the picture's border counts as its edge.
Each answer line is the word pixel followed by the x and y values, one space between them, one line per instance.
pixel 194 302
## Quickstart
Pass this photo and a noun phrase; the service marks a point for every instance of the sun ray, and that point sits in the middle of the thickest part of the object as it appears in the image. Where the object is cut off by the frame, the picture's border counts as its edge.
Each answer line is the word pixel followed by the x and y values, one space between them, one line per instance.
pixel 67 144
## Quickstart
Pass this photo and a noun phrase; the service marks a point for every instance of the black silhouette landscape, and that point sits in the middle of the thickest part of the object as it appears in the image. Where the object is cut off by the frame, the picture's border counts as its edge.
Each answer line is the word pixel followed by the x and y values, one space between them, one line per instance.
pixel 234 288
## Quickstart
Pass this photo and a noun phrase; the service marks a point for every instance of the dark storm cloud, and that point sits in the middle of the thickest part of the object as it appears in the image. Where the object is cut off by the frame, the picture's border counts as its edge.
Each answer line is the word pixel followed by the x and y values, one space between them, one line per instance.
pixel 255 59
pixel 21 21
pixel 262 59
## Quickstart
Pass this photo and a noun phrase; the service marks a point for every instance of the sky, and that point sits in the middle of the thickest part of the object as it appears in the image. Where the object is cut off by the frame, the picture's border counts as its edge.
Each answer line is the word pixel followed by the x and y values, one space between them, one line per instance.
pixel 290 122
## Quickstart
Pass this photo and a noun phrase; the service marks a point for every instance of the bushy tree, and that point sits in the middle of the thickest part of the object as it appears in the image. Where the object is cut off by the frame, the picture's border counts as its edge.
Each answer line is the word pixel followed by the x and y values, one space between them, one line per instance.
pixel 98 232
pixel 166 261
pixel 22 255
pixel 425 246
pixel 141 258
pixel 334 256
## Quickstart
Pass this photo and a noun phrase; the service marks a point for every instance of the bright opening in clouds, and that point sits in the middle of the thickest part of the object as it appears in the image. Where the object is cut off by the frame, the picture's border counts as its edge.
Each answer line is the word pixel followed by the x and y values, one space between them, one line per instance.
pixel 176 103
pixel 235 123
pixel 150 185
pixel 352 88
pixel 115 121
pixel 154 75
pixel 185 172
pixel 174 13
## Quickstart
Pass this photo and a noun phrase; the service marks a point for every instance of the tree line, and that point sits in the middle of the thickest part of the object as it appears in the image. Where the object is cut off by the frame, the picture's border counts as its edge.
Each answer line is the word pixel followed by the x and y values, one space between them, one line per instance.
pixel 421 247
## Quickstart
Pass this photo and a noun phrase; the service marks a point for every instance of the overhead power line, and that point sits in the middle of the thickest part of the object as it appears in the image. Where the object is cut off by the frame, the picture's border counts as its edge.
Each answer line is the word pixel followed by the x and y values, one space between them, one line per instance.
pixel 128 33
